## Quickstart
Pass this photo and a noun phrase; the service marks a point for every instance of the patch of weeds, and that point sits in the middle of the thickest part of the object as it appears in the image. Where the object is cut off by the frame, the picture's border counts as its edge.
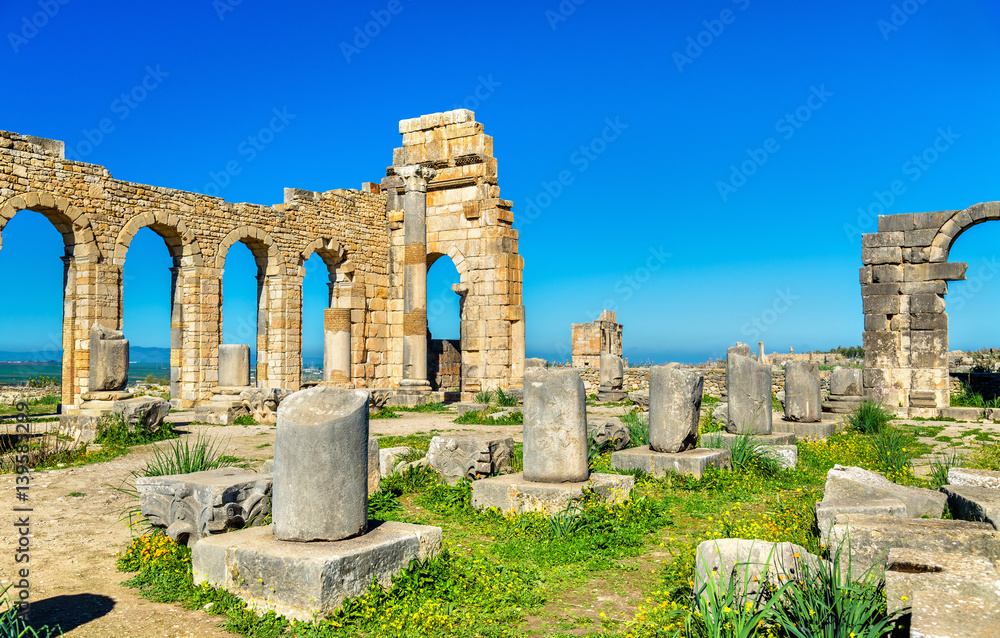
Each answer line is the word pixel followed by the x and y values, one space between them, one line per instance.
pixel 504 399
pixel 933 418
pixel 185 456
pixel 749 454
pixel 637 424
pixel 868 417
pixel 114 432
pixel 262 446
pixel 245 419
pixel 940 467
pixel 708 399
pixel 485 417
pixel 484 396
pixel 12 623
pixel 424 408
pixel 385 412
pixel 985 457
pixel 76 494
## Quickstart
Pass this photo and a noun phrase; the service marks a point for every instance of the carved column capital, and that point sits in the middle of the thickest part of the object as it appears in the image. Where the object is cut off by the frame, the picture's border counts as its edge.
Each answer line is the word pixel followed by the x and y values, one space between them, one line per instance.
pixel 415 177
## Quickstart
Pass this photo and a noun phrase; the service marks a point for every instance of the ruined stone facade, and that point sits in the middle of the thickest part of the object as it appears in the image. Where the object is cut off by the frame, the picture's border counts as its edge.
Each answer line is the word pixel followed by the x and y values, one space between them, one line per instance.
pixel 357 233
pixel 591 339
pixel 904 281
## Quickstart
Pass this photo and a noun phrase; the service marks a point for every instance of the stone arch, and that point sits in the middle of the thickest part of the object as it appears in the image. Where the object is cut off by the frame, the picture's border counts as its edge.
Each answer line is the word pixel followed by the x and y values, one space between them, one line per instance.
pixel 69 220
pixel 262 245
pixel 957 224
pixel 334 256
pixel 181 243
pixel 904 284
pixel 436 250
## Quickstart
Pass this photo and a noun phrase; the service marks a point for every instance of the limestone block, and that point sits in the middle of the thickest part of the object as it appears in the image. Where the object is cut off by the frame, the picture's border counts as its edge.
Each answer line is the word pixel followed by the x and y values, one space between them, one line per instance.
pixel 108 359
pixel 912 570
pixel 234 364
pixel 749 565
pixel 694 462
pixel 674 409
pixel 786 455
pixel 555 426
pixel 513 493
pixel 144 412
pixel 942 615
pixel 321 453
pixel 973 503
pixel 748 386
pixel 974 478
pixel 829 510
pixel 640 398
pixel 262 403
pixel 304 580
pixel 602 430
pixel 846 381
pixel 612 371
pixel 803 398
pixel 871 538
pixel 470 456
pixel 854 484
pixel 534 362
pixel 193 506
pixel 389 458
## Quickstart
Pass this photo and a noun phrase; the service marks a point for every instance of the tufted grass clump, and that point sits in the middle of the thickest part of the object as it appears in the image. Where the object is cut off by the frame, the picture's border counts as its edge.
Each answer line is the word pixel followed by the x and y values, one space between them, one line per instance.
pixel 868 417
pixel 637 424
pixel 13 624
pixel 245 419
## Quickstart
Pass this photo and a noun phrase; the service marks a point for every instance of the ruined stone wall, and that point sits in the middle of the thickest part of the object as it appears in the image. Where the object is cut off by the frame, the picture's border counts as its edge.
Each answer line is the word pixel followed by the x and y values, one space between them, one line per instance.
pixel 98 216
pixel 470 224
pixel 591 339
pixel 444 364
pixel 904 282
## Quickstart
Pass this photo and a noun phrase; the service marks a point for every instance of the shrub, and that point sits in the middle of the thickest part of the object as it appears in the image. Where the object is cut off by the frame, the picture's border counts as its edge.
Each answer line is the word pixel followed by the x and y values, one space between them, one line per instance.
pixel 245 419
pixel 505 400
pixel 868 418
pixel 485 397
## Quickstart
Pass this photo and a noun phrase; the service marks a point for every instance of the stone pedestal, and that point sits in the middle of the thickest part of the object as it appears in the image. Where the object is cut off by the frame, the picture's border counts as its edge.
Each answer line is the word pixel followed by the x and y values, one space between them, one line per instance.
pixel 803 400
pixel 300 580
pixel 694 462
pixel 337 346
pixel 82 422
pixel 612 378
pixel 813 431
pixel 513 493
pixel 234 364
pixel 225 406
pixel 321 548
pixel 108 359
pixel 555 426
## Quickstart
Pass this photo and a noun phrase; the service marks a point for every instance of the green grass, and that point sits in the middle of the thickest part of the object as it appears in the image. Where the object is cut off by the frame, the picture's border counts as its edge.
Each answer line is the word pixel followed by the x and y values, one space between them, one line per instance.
pixel 385 412
pixel 868 418
pixel 12 624
pixel 482 417
pixel 76 494
pixel 431 408
pixel 245 419
pixel 185 456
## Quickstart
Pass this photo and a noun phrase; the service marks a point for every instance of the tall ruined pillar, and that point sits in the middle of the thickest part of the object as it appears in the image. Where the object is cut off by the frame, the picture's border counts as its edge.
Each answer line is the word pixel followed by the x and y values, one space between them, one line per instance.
pixel 337 345
pixel 415 277
pixel 176 334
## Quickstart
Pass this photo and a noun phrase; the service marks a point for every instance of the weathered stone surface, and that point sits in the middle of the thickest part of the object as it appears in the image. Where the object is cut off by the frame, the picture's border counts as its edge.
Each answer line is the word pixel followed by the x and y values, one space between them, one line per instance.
pixel 513 493
pixel 300 580
pixel 674 409
pixel 108 359
pixel 972 503
pixel 846 382
pixel 859 485
pixel 941 615
pixel 871 538
pixel 321 453
pixel 750 563
pixel 462 408
pixel 602 430
pixel 374 468
pixel 535 362
pixel 640 398
pixel 389 458
pixel 193 506
pixel 975 478
pixel 234 364
pixel 727 439
pixel 721 413
pixel 612 371
pixel 829 510
pixel 748 387
pixel 912 570
pixel 811 431
pixel 262 403
pixel 470 456
pixel 555 426
pixel 786 455
pixel 694 462
pixel 143 412
pixel 803 400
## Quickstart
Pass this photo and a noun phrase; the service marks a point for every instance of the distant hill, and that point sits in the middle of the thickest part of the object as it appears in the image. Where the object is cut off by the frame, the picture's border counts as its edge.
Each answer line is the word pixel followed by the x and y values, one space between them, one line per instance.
pixel 137 354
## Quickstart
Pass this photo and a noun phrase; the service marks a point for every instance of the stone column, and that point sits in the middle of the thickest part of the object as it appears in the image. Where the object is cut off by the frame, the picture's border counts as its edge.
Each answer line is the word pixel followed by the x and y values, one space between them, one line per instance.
pixel 555 426
pixel 337 346
pixel 176 335
pixel 415 276
pixel 674 409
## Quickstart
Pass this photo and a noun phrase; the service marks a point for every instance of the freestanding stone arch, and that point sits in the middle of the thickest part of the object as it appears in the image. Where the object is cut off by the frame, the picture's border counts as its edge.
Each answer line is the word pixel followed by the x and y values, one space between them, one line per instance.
pixel 79 262
pixel 904 282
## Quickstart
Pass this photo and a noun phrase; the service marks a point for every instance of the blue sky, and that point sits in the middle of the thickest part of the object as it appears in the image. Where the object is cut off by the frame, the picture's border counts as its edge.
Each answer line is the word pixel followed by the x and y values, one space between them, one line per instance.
pixel 807 111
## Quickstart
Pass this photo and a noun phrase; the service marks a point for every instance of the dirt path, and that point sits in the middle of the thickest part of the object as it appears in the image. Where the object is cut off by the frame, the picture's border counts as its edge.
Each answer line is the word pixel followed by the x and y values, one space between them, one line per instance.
pixel 74 582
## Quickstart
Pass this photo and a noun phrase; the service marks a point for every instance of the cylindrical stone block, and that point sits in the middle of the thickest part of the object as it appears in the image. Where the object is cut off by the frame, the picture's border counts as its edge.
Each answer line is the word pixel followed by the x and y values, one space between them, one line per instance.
pixel 674 409
pixel 555 426
pixel 803 399
pixel 337 345
pixel 234 365
pixel 748 387
pixel 321 465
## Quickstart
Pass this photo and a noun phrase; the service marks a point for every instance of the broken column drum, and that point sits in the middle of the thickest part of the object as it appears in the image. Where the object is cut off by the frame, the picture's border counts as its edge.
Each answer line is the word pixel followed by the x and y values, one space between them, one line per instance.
pixel 674 409
pixel 555 426
pixel 108 359
pixel 234 365
pixel 321 465
pixel 803 398
pixel 748 386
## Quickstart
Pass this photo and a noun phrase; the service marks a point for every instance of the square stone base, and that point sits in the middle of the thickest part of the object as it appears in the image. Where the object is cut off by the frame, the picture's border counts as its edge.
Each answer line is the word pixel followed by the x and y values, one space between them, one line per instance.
pixel 726 439
pixel 82 424
pixel 814 431
pixel 512 493
pixel 694 462
pixel 611 396
pixel 298 580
